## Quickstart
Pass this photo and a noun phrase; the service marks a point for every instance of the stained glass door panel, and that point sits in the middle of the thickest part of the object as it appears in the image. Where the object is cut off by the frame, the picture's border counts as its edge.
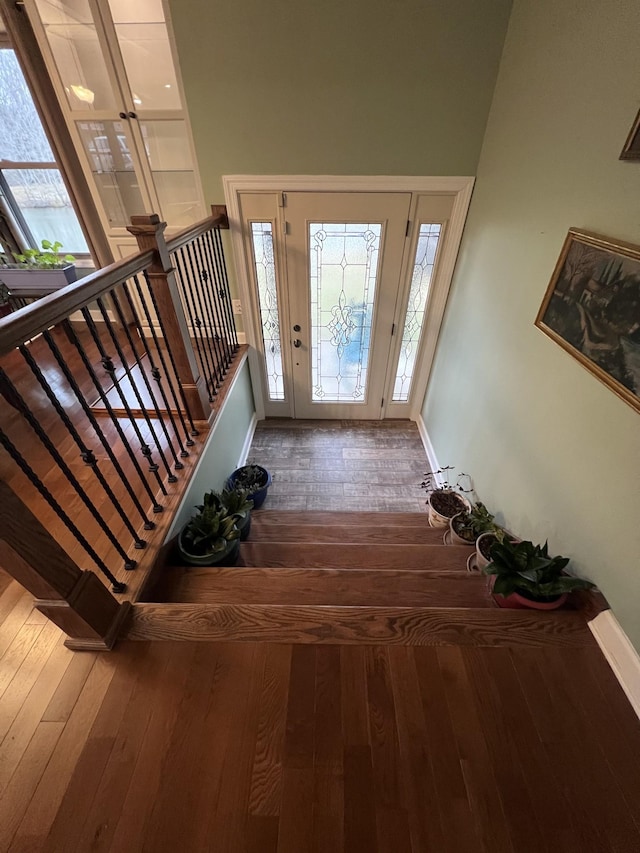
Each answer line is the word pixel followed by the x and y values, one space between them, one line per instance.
pixel 344 255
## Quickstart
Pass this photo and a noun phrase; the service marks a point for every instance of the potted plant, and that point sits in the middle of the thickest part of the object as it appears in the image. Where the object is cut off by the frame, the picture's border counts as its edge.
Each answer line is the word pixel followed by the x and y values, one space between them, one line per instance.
pixel 236 502
pixel 446 499
pixel 5 306
pixel 39 270
pixel 524 575
pixel 211 537
pixel 467 526
pixel 254 480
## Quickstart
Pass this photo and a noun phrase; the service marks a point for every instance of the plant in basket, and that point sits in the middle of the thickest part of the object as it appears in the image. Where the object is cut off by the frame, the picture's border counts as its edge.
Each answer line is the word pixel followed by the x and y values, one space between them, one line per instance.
pixel 468 525
pixel 445 497
pixel 524 575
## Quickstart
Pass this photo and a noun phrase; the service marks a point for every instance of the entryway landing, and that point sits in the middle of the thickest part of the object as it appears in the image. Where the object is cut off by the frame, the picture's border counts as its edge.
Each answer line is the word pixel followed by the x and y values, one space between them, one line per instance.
pixel 342 464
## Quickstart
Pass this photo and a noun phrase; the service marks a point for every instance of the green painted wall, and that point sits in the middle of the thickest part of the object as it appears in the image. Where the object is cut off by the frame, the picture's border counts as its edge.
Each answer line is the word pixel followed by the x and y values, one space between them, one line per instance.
pixel 548 445
pixel 338 87
pixel 223 450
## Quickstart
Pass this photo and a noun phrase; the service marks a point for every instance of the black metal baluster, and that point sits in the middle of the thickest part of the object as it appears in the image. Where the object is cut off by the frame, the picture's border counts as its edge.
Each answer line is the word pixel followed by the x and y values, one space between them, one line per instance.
pixel 148 525
pixel 107 363
pixel 217 294
pixel 216 236
pixel 204 278
pixel 185 289
pixel 194 431
pixel 27 414
pixel 136 357
pixel 211 298
pixel 207 366
pixel 156 373
pixel 197 290
pixel 86 454
pixel 157 508
pixel 189 442
pixel 117 586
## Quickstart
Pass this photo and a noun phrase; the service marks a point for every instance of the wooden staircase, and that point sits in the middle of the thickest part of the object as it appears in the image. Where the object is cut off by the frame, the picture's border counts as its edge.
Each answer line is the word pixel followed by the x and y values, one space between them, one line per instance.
pixel 344 577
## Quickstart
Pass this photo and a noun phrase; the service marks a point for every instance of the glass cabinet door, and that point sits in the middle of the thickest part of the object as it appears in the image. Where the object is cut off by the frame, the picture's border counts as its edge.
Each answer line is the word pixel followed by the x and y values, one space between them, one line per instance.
pixel 78 54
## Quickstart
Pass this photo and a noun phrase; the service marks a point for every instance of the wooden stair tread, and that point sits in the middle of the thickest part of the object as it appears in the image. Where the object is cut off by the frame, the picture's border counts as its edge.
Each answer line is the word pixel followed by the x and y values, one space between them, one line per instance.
pixel 345 517
pixel 347 625
pixel 381 557
pixel 303 586
pixel 263 530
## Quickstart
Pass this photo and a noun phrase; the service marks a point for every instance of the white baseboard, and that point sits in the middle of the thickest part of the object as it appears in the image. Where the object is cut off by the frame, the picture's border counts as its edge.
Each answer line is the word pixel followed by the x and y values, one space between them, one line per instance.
pixel 428 448
pixel 247 442
pixel 623 659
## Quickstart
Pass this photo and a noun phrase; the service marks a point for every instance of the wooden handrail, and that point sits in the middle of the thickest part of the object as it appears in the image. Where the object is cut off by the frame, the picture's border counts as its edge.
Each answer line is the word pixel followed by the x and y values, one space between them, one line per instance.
pixel 46 312
pixel 56 307
pixel 218 219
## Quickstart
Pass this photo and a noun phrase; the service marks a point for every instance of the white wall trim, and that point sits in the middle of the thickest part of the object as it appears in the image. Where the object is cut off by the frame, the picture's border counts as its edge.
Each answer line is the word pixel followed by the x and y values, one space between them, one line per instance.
pixel 247 442
pixel 623 659
pixel 428 447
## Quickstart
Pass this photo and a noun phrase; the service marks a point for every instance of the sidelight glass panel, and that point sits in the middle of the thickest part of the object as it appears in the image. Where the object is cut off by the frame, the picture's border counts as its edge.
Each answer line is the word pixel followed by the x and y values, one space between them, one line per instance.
pixel 428 239
pixel 262 238
pixel 344 266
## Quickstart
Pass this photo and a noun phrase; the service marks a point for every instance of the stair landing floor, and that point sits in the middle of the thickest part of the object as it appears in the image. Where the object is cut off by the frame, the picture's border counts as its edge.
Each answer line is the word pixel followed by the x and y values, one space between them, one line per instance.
pixel 342 464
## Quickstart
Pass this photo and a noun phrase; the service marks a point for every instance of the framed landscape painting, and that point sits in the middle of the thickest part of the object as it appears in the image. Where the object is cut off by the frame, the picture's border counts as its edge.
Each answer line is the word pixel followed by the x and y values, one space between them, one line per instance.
pixel 592 309
pixel 631 150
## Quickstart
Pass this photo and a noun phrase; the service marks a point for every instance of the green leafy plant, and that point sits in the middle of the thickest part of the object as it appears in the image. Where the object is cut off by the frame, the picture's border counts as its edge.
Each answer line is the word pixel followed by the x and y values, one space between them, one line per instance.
pixel 529 570
pixel 47 259
pixel 251 478
pixel 470 525
pixel 211 530
pixel 235 501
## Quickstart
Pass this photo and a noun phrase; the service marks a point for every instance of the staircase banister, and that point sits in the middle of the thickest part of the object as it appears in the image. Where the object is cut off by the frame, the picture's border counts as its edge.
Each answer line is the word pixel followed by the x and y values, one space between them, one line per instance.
pixel 188 235
pixel 33 319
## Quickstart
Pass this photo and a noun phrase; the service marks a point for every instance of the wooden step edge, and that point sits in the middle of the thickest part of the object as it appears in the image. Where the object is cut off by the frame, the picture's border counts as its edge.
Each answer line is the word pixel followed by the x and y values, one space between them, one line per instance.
pixel 404 573
pixel 341 517
pixel 491 627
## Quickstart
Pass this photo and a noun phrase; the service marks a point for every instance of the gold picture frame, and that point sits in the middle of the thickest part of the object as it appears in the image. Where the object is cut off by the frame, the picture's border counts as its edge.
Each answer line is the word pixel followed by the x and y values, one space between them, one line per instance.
pixel 592 309
pixel 631 149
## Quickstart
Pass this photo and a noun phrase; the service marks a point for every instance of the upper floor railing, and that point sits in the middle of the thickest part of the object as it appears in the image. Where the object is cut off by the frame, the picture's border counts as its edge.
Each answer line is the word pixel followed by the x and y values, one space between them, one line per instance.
pixel 107 388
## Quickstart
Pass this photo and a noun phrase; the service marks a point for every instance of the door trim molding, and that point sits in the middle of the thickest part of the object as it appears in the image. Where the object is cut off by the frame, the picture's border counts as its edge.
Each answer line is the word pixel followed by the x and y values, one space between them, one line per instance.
pixel 460 186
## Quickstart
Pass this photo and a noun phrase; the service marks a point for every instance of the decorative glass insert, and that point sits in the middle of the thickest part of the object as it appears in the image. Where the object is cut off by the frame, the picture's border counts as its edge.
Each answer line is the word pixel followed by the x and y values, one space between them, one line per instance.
pixel 420 282
pixel 344 267
pixel 262 236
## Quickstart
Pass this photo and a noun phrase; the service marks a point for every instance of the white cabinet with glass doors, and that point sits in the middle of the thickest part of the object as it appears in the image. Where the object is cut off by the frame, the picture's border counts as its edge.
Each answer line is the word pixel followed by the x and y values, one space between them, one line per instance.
pixel 113 65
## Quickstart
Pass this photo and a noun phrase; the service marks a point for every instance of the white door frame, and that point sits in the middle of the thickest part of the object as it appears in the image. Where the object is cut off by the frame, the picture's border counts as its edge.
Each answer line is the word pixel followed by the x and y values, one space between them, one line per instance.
pixel 460 187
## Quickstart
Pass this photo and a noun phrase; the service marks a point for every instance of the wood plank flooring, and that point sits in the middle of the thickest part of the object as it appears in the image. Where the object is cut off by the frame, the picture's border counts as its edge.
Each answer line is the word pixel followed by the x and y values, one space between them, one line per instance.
pixel 342 465
pixel 279 748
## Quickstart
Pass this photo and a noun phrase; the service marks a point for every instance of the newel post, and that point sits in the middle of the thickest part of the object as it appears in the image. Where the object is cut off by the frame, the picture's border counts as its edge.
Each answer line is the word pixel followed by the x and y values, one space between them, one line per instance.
pixel 149 232
pixel 75 600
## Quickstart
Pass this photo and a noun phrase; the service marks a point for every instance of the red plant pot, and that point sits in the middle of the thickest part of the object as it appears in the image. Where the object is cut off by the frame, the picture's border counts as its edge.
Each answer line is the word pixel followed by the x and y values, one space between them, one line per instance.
pixel 515 601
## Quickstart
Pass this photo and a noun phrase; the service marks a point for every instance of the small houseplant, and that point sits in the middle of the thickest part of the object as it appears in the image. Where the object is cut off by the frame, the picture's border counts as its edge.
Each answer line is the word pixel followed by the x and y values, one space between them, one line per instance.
pixel 524 575
pixel 254 480
pixel 210 537
pixel 444 497
pixel 236 502
pixel 39 270
pixel 468 525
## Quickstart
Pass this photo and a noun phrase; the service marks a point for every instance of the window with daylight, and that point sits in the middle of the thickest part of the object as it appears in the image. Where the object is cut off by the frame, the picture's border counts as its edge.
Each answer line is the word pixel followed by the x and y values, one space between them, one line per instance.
pixel 428 239
pixel 34 201
pixel 265 270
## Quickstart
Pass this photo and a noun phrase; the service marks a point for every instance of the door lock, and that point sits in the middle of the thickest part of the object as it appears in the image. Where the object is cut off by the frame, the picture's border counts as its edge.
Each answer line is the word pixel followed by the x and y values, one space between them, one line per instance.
pixel 297 343
pixel 296 328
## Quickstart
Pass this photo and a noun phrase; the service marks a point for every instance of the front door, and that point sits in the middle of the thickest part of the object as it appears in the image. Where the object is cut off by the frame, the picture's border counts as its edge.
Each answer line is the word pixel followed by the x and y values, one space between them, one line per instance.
pixel 344 258
pixel 340 282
